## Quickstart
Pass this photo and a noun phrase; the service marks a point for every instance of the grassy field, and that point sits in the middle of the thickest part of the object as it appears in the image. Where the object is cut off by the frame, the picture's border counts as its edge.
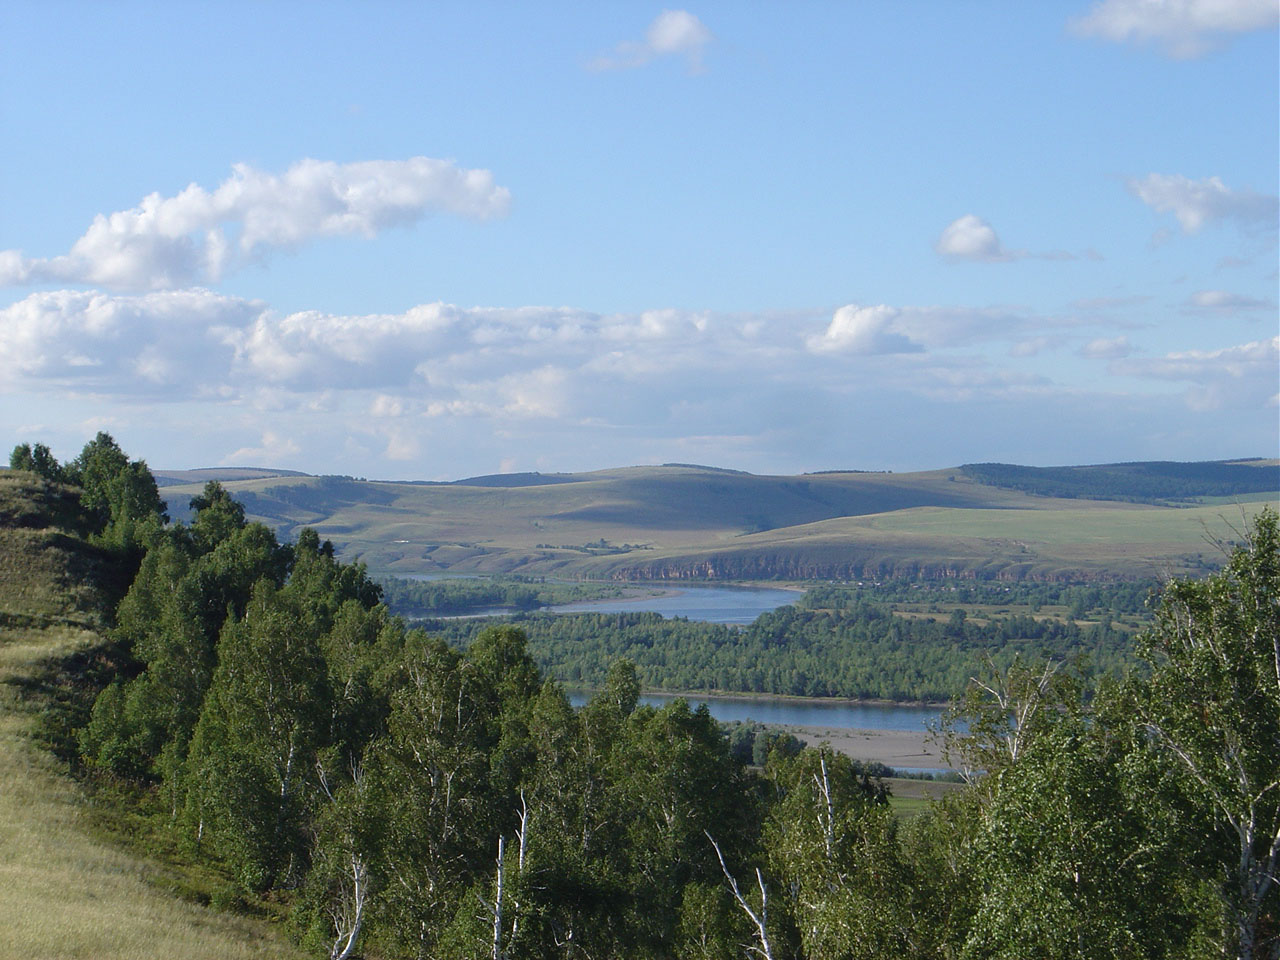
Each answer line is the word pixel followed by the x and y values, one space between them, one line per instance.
pixel 687 522
pixel 909 797
pixel 67 889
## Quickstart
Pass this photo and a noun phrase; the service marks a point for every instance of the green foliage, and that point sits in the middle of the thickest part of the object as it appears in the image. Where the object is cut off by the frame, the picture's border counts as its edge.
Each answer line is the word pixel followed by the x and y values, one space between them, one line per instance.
pixel 120 494
pixel 38 460
pixel 832 845
pixel 1062 858
pixel 837 644
pixel 1211 714
pixel 255 745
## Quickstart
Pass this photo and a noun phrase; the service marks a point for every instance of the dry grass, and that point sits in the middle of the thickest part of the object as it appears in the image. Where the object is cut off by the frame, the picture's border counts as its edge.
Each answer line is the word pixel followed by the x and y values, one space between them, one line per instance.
pixel 64 890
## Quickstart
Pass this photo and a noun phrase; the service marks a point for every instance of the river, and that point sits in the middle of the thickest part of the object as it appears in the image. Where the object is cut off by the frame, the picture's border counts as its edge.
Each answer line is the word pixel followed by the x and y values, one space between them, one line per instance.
pixel 729 605
pixel 836 714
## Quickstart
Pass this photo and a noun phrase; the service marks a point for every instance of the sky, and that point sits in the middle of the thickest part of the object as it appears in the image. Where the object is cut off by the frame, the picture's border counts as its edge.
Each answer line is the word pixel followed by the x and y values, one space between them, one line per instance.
pixel 432 241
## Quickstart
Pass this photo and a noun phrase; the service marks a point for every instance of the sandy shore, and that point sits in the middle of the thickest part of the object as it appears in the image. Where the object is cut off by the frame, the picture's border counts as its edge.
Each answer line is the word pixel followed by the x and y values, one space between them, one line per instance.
pixel 896 748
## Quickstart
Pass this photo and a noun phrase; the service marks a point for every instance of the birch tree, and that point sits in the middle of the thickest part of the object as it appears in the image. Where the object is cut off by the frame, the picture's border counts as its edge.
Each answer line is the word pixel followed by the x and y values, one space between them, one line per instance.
pixel 254 748
pixel 1212 714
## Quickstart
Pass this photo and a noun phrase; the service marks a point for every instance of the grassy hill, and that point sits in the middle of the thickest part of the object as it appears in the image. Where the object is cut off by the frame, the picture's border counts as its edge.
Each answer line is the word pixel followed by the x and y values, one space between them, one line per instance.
pixel 684 521
pixel 66 888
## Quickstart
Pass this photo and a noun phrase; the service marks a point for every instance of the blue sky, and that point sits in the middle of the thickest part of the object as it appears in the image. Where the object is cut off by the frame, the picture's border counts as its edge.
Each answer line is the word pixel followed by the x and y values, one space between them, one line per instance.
pixel 438 240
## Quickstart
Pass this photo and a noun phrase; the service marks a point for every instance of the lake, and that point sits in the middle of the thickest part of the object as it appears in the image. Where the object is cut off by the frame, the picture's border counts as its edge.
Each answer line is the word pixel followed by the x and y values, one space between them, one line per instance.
pixel 728 605
pixel 804 713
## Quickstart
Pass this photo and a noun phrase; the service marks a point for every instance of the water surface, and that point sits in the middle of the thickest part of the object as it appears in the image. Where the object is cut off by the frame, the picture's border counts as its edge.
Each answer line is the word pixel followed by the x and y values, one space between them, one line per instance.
pixel 729 605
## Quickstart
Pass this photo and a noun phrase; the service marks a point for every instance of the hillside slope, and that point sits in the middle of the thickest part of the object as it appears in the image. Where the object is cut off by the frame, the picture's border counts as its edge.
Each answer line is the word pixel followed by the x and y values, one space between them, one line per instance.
pixel 678 522
pixel 64 892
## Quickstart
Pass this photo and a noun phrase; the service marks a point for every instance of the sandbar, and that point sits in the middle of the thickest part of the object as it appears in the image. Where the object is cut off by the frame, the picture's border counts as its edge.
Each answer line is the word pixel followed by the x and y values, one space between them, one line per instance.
pixel 912 749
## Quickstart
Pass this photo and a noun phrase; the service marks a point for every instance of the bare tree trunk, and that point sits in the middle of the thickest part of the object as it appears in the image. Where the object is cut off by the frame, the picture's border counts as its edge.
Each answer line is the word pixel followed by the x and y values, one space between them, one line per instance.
pixel 761 919
pixel 828 832
pixel 351 917
pixel 497 904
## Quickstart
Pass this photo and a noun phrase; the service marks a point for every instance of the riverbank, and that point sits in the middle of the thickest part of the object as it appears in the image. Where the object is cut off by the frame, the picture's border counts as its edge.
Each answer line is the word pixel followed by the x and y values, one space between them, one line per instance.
pixel 748 696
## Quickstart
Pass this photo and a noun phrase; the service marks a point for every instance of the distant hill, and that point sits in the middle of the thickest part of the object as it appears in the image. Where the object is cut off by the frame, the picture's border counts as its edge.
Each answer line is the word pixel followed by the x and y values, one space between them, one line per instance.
pixel 678 522
pixel 202 475
pixel 1145 482
pixel 517 480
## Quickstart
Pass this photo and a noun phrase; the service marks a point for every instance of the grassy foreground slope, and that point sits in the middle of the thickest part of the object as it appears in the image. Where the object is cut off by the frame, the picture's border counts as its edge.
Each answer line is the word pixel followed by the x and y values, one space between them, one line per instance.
pixel 65 890
pixel 677 522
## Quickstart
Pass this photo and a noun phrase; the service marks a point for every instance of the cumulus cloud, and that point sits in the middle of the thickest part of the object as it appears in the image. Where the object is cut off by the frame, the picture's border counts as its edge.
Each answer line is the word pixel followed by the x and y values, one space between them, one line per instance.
pixel 197 235
pixel 151 343
pixel 863 331
pixel 972 238
pixel 1196 203
pixel 673 33
pixel 1182 29
pixel 1107 348
pixel 1220 301
pixel 1240 376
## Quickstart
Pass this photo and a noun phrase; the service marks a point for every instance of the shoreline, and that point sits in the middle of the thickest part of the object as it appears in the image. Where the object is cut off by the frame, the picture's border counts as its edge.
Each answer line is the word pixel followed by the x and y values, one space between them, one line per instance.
pixel 638 589
pixel 753 697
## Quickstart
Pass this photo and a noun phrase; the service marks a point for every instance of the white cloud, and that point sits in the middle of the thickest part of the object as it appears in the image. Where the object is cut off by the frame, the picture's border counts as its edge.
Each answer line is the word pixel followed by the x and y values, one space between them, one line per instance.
pixel 1033 346
pixel 972 238
pixel 273 450
pixel 863 331
pixel 1196 203
pixel 673 33
pixel 159 342
pixel 1107 348
pixel 442 390
pixel 1241 376
pixel 386 406
pixel 1220 301
pixel 1183 29
pixel 197 235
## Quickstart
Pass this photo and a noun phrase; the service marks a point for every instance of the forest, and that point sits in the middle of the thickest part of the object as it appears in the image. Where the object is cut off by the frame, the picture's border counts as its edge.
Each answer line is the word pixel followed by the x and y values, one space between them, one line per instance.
pixel 1146 482
pixel 402 796
pixel 835 642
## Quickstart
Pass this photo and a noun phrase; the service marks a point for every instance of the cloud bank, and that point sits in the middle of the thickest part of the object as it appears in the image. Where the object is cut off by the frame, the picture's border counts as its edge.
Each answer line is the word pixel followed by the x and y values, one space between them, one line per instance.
pixel 196 236
pixel 1236 377
pixel 459 387
pixel 1182 29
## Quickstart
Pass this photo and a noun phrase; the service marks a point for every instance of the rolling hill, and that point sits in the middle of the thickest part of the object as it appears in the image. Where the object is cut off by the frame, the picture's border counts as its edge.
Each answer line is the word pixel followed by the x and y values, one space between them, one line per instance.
pixel 679 521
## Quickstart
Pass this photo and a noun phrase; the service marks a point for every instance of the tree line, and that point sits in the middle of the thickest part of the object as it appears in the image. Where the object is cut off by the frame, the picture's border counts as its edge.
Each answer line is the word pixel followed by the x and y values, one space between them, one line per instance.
pixel 406 798
pixel 457 596
pixel 1142 482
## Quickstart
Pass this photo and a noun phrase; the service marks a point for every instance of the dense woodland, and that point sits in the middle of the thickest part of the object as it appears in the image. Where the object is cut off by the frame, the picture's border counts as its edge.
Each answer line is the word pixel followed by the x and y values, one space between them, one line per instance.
pixel 855 648
pixel 406 798
pixel 1144 482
